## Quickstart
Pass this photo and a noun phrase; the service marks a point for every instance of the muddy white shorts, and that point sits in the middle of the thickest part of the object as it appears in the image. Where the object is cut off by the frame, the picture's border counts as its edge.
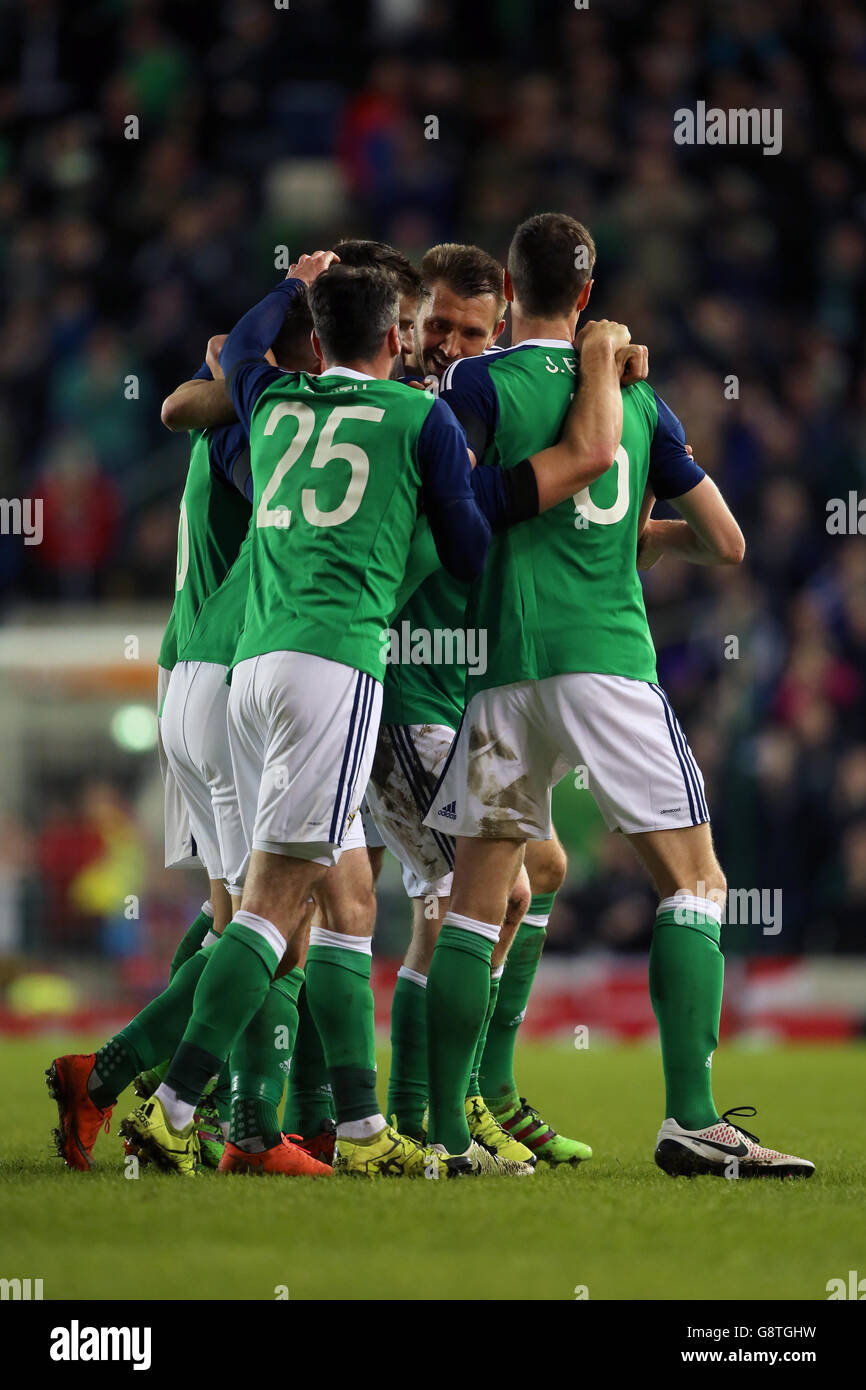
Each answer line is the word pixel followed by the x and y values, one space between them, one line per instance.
pixel 407 766
pixel 179 845
pixel 517 741
pixel 302 732
pixel 195 735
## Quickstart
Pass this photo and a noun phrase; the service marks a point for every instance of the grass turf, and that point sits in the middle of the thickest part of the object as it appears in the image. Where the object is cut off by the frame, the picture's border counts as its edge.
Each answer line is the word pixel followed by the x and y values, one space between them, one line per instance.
pixel 617 1225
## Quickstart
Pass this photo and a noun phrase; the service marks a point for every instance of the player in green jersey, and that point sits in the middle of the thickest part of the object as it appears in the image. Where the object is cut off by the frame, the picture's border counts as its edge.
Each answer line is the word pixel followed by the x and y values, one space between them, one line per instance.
pixel 572 682
pixel 345 899
pixel 212 581
pixel 333 523
pixel 461 314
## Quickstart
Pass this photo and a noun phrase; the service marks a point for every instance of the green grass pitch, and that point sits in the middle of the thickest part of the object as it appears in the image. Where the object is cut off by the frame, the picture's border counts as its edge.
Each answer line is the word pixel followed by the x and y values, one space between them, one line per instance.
pixel 617 1226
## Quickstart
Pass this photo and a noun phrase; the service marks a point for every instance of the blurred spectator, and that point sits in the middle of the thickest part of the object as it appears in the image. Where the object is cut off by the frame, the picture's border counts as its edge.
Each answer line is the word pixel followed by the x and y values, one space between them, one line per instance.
pixel 745 274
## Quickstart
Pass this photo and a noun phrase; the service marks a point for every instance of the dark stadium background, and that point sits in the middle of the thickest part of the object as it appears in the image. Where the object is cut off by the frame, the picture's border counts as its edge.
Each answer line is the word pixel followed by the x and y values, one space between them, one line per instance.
pixel 260 127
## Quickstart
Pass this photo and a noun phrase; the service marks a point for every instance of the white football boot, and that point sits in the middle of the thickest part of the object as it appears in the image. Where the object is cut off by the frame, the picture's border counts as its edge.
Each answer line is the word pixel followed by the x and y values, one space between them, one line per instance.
pixel 725 1151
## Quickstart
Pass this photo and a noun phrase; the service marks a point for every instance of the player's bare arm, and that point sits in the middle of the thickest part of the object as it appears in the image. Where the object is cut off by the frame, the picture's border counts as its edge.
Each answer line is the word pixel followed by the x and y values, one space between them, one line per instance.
pixel 707 535
pixel 197 405
pixel 593 426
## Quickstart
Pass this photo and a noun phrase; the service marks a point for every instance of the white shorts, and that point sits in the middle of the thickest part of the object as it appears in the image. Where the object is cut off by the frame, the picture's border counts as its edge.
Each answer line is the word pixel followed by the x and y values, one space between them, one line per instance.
pixel 196 741
pixel 517 741
pixel 406 769
pixel 302 732
pixel 179 845
pixel 372 838
pixel 356 833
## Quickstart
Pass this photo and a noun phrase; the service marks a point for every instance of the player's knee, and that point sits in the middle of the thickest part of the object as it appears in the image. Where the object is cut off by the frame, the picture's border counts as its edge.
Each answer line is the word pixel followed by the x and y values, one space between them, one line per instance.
pixel 548 875
pixel 709 883
pixel 519 899
pixel 359 917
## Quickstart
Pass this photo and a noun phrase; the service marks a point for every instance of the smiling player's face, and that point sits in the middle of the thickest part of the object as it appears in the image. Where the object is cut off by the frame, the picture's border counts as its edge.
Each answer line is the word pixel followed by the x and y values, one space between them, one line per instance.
pixel 406 323
pixel 449 327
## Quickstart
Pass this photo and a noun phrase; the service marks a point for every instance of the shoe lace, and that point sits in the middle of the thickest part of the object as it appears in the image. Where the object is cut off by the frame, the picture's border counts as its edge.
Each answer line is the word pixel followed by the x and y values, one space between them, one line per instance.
pixel 529 1112
pixel 488 1128
pixel 747 1110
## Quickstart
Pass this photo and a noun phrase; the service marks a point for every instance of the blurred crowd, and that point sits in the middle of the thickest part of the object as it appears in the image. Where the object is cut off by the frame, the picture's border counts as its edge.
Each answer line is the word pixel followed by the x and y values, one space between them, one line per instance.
pixel 256 126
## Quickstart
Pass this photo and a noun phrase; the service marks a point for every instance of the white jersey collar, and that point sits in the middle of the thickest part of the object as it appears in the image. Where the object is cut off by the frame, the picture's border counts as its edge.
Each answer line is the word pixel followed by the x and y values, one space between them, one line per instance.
pixel 544 342
pixel 347 371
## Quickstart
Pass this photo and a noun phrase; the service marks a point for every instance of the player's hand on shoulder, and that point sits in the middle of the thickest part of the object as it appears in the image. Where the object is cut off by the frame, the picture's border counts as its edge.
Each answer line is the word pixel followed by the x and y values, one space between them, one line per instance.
pixel 309 268
pixel 602 332
pixel 632 362
pixel 212 356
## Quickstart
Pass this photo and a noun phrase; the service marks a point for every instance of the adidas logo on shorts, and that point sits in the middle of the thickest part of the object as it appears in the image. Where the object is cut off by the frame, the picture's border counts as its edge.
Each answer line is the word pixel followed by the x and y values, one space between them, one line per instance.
pixel 450 810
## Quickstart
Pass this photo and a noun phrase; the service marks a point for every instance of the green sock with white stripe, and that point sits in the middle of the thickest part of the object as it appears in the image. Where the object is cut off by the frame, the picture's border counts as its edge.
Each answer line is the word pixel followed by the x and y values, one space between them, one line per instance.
pixel 474 1087
pixel 498 1085
pixel 192 939
pixel 686 979
pixel 231 991
pixel 341 1003
pixel 458 992
pixel 407 1082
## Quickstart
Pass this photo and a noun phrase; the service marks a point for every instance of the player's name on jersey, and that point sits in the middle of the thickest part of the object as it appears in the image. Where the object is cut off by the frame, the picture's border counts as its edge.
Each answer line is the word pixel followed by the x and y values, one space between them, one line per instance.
pixel 438 646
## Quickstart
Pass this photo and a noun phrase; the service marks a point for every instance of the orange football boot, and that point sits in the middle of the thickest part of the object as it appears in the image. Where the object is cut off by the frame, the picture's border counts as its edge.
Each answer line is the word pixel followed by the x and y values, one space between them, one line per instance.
pixel 286 1158
pixel 80 1120
pixel 321 1145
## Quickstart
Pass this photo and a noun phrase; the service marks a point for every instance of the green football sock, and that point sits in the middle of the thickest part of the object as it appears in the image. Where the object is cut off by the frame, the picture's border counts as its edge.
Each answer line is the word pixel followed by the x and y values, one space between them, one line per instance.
pixel 230 992
pixel 497 1066
pixel 309 1102
pixel 407 1083
pixel 458 991
pixel 259 1062
pixel 150 1037
pixel 191 941
pixel 341 1003
pixel 686 977
pixel 221 1094
pixel 474 1087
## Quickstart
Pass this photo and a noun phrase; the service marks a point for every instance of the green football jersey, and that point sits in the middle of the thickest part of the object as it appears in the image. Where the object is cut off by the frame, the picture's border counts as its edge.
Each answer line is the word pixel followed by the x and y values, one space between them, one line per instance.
pixel 337 465
pixel 560 592
pixel 167 658
pixel 220 619
pixel 427 685
pixel 214 519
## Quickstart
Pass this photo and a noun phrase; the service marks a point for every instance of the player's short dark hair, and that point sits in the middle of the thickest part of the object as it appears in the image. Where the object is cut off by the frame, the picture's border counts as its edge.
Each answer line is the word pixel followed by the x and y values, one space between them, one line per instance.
pixel 353 308
pixel 550 260
pixel 379 255
pixel 466 270
pixel 293 340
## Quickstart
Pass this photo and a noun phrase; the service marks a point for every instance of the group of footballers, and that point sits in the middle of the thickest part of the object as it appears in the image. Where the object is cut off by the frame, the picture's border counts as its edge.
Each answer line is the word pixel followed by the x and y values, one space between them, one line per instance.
pixel 364 460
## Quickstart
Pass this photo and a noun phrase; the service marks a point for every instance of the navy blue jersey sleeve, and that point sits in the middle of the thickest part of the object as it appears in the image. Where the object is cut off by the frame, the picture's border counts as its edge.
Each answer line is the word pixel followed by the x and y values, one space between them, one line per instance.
pixel 242 357
pixel 460 529
pixel 229 453
pixel 671 471
pixel 506 495
pixel 467 388
pixel 204 373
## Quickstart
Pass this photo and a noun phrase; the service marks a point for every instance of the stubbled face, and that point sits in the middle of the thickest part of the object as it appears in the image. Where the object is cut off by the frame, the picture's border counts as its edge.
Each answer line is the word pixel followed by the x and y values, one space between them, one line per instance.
pixel 448 327
pixel 406 323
